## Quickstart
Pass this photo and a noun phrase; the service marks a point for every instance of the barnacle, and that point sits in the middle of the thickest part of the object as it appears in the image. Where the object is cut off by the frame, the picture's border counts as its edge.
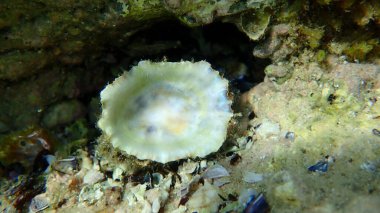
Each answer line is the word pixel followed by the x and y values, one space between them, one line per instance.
pixel 166 111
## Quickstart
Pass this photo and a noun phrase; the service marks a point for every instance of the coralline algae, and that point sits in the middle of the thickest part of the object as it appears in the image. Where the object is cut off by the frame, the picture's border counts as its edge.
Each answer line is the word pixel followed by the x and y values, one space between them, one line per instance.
pixel 166 111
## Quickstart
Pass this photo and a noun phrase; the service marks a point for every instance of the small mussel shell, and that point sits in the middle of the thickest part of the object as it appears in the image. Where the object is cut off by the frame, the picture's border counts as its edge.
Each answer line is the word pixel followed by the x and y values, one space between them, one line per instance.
pixel 68 165
pixel 376 132
pixel 290 136
pixel 156 178
pixel 321 166
pixel 258 205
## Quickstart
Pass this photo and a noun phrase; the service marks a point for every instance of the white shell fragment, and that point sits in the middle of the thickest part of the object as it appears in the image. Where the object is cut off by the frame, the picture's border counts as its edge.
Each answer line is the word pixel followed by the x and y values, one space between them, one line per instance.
pixel 205 199
pixel 221 182
pixel 93 176
pixel 166 111
pixel 215 171
pixel 252 177
pixel 39 203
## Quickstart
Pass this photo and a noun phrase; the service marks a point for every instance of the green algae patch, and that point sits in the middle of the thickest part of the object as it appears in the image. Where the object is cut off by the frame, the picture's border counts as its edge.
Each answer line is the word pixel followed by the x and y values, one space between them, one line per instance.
pixel 142 11
pixel 359 50
pixel 312 35
pixel 291 11
pixel 21 64
pixel 37 34
pixel 321 55
pixel 279 73
pixel 255 24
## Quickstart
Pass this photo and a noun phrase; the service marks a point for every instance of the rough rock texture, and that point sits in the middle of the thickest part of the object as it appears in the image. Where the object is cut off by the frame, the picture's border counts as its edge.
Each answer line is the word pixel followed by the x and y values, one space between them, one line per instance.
pixel 308 134
pixel 45 46
pixel 70 37
pixel 44 43
pixel 331 114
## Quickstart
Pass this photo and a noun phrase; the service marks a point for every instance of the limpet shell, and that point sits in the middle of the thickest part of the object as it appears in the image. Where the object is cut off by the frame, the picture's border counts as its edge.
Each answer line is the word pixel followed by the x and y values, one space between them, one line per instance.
pixel 166 111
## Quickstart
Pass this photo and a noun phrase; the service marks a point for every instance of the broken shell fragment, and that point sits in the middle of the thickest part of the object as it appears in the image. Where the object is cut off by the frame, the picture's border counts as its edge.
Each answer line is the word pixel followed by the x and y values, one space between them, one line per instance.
pixel 376 132
pixel 257 205
pixel 39 203
pixel 321 166
pixel 67 165
pixel 166 111
pixel 205 199
pixel 93 176
pixel 253 177
pixel 216 171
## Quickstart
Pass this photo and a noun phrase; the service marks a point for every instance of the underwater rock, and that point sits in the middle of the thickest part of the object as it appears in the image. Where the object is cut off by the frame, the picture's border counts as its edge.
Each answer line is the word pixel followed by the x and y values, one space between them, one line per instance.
pixel 197 13
pixel 371 166
pixel 254 24
pixel 62 113
pixel 91 194
pixel 93 176
pixel 287 189
pixel 21 191
pixel 363 203
pixel 357 77
pixel 51 36
pixel 25 101
pixel 274 43
pixel 329 108
pixel 113 195
pixel 59 38
pixel 115 161
pixel 205 199
pixel 166 111
pixel 268 129
pixel 333 109
pixel 277 73
pixel 68 165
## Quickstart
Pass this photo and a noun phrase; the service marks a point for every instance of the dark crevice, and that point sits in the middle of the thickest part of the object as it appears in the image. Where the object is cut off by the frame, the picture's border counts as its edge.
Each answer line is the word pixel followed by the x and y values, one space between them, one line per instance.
pixel 221 44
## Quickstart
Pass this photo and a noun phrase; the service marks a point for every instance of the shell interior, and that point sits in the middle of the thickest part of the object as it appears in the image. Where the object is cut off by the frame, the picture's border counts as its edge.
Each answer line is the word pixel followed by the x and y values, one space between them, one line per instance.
pixel 166 111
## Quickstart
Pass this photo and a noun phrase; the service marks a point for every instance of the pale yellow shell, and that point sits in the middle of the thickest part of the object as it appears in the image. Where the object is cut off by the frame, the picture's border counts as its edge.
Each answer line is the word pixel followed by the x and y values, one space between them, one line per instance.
pixel 166 111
